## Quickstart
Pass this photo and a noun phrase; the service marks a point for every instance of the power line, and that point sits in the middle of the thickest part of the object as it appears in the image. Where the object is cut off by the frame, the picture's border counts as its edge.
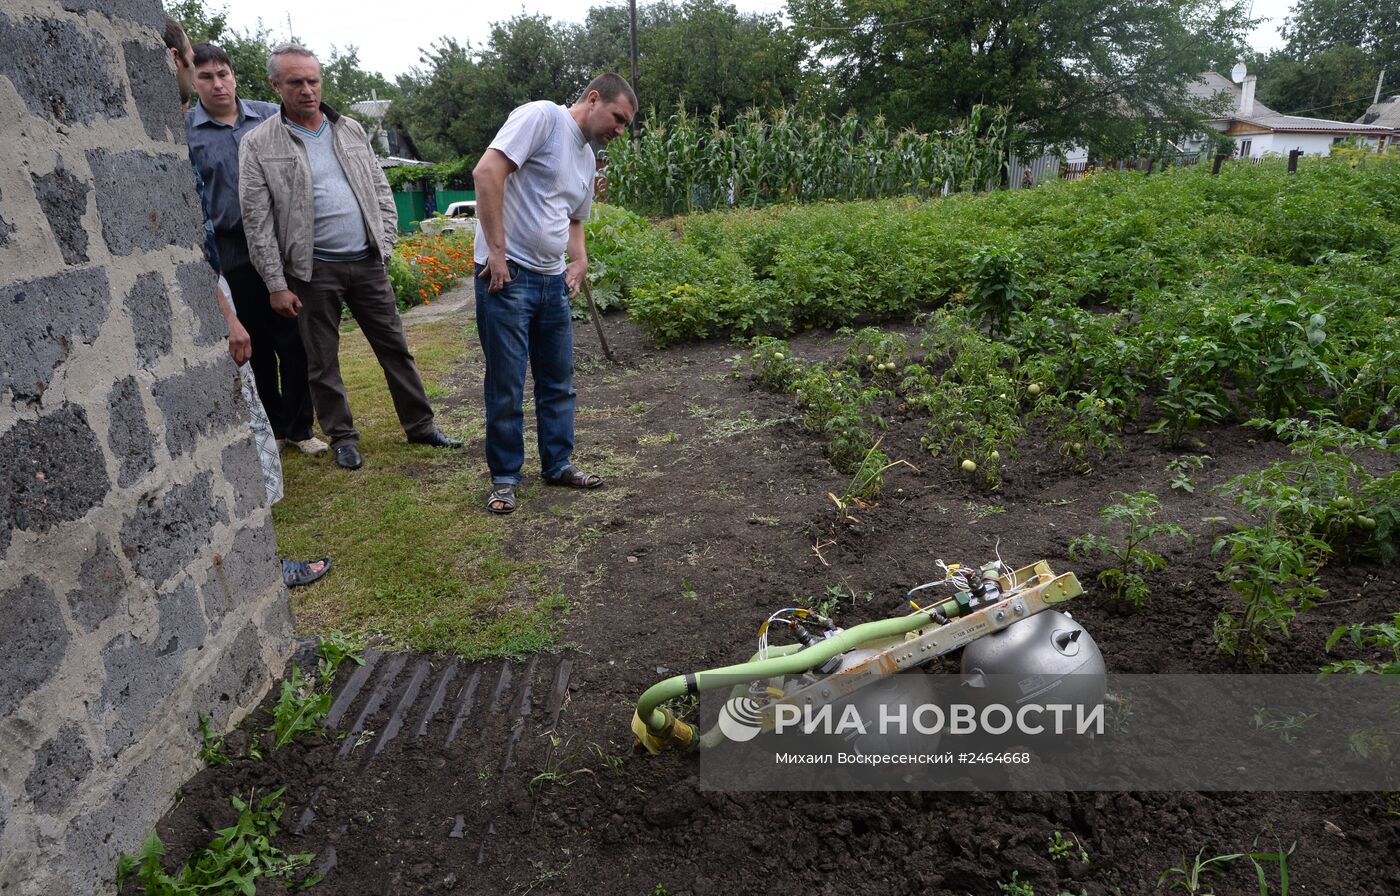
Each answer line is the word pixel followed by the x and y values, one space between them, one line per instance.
pixel 1331 105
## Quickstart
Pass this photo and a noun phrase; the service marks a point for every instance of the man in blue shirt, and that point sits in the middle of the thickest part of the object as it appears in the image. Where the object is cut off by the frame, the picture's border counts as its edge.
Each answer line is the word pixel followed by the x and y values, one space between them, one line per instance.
pixel 215 127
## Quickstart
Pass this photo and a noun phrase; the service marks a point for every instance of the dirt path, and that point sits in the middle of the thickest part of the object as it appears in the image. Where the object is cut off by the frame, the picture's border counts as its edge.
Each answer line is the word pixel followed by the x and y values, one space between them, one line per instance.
pixel 716 513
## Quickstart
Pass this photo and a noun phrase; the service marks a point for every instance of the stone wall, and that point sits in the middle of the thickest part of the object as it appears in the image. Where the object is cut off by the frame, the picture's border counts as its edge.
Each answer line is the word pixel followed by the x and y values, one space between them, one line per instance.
pixel 138 577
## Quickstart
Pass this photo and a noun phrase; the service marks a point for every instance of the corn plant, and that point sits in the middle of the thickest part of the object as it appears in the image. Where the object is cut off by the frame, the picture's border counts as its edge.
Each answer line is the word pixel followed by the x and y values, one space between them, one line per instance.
pixel 1191 875
pixel 680 164
pixel 1130 525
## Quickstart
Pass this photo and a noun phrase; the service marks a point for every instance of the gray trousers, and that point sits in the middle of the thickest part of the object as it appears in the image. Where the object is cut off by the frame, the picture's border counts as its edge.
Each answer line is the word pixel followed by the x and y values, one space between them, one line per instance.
pixel 364 287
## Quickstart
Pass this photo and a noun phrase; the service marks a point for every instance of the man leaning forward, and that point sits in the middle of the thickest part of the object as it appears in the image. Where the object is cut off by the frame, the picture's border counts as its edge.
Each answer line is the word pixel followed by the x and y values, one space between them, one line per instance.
pixel 534 190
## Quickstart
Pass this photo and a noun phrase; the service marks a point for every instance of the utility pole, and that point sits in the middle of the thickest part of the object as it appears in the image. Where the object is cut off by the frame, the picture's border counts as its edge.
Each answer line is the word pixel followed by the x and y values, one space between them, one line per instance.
pixel 632 27
pixel 1375 99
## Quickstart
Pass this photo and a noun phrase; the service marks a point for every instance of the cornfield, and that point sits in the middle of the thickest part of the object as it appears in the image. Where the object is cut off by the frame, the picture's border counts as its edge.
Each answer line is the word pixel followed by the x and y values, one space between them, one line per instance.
pixel 685 164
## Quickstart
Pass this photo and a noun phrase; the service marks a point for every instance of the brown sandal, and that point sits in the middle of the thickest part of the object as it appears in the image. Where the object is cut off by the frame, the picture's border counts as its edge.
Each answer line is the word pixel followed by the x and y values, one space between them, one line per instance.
pixel 501 500
pixel 575 478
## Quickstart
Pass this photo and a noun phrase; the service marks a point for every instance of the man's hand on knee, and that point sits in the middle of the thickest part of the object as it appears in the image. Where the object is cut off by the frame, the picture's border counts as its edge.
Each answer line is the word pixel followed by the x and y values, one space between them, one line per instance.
pixel 285 303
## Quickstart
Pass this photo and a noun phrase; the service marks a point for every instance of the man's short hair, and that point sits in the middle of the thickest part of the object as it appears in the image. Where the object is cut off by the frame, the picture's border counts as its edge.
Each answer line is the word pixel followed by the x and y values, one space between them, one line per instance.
pixel 285 50
pixel 207 53
pixel 175 38
pixel 610 86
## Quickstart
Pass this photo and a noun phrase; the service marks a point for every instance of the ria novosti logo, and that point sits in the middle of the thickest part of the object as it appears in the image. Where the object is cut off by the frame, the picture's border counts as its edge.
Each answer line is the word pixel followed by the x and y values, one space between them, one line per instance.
pixel 742 719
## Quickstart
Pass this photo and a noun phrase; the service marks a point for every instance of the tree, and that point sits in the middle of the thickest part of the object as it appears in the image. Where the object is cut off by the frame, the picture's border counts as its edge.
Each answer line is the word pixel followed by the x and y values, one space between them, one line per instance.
pixel 1337 83
pixel 1333 58
pixel 343 80
pixel 1070 71
pixel 699 54
pixel 246 49
pixel 704 55
pixel 1372 27
pixel 437 102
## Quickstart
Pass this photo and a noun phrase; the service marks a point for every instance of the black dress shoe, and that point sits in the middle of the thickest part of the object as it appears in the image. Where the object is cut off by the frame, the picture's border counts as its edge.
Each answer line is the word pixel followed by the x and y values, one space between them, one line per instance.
pixel 348 456
pixel 436 439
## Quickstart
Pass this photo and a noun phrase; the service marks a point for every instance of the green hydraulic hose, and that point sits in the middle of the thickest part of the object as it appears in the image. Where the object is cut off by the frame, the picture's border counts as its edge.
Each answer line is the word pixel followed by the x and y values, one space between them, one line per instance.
pixel 790 662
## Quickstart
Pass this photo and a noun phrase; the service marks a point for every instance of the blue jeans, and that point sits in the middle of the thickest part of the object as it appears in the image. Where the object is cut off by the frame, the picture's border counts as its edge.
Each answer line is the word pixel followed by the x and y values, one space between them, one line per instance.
pixel 529 319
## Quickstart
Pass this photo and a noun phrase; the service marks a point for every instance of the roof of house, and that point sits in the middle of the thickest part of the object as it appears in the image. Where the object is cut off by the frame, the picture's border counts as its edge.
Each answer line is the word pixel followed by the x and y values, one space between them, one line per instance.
pixel 1211 86
pixel 375 109
pixel 1385 114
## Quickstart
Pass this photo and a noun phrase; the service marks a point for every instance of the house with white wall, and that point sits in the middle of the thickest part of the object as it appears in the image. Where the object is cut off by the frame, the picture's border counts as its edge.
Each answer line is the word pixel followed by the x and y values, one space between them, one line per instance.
pixel 1258 130
pixel 1384 114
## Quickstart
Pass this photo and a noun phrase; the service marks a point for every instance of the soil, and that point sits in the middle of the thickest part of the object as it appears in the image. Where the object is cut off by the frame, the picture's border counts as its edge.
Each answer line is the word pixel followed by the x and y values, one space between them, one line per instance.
pixel 721 516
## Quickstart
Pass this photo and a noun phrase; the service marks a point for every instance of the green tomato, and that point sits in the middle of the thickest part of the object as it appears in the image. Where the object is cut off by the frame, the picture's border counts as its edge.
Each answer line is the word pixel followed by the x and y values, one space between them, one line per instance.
pixel 969 466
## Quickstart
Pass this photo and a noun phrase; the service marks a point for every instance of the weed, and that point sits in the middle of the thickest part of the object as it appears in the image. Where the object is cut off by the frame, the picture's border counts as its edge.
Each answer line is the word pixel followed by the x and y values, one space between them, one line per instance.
pixel 553 770
pixel 1286 726
pixel 232 862
pixel 1062 850
pixel 684 706
pixel 211 752
pixel 1277 859
pixel 688 590
pixel 612 761
pixel 1016 886
pixel 300 709
pixel 1128 554
pixel 982 511
pixel 1190 877
pixel 1181 468
pixel 544 876
pixel 335 650
pixel 830 600
pixel 1381 637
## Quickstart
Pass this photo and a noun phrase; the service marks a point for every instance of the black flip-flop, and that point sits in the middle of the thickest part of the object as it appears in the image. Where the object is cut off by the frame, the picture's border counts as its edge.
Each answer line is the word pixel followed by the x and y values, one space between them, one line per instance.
pixel 501 500
pixel 573 477
pixel 296 573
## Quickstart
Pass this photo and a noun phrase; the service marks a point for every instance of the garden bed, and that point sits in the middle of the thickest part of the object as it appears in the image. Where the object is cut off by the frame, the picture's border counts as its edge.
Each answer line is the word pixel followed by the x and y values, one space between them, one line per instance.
pixel 717 512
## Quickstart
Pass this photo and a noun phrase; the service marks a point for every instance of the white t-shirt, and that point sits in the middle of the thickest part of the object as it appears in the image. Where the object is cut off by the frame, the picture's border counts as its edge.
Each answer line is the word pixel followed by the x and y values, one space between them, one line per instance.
pixel 553 185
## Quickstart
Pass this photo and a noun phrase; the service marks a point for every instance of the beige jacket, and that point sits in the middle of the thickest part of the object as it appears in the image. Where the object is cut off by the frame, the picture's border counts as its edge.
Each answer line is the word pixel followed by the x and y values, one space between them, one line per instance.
pixel 274 191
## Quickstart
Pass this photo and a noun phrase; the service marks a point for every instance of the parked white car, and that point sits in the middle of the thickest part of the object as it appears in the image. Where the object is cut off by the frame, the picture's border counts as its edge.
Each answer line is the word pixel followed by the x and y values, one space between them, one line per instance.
pixel 460 217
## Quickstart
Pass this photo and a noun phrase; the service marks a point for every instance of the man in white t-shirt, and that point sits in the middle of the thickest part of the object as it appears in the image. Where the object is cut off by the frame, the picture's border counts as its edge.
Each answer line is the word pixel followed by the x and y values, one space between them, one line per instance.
pixel 534 189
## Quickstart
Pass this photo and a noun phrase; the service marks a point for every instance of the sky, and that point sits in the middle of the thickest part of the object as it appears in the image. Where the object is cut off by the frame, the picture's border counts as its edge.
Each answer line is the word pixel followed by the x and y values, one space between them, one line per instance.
pixel 390 43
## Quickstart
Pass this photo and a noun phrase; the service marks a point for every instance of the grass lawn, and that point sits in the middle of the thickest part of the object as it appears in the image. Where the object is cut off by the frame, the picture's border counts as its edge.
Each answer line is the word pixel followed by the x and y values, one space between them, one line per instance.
pixel 418 564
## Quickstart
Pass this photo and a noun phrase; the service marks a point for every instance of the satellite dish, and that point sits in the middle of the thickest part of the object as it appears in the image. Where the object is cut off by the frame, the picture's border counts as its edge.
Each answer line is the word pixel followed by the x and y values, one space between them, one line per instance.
pixel 1237 73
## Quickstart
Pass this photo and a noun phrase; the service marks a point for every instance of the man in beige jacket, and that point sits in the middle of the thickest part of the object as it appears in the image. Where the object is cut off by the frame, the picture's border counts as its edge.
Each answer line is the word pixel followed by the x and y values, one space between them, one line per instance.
pixel 320 223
